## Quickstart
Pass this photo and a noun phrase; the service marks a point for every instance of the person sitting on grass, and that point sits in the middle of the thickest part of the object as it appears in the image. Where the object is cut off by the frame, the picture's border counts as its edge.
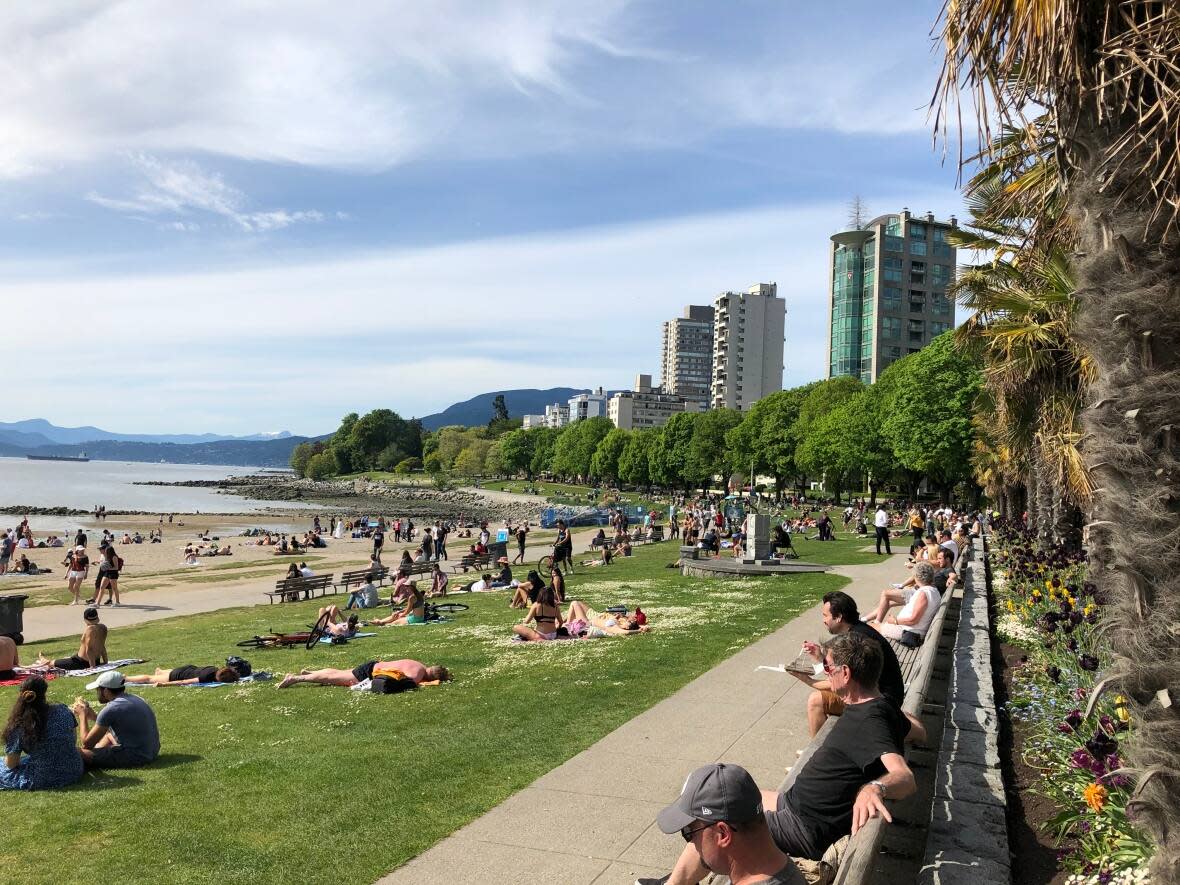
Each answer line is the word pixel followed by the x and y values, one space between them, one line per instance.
pixel 545 614
pixel 916 613
pixel 401 585
pixel 9 658
pixel 364 596
pixel 844 784
pixel 438 581
pixel 557 582
pixel 188 674
pixel 527 591
pixel 415 670
pixel 581 620
pixel 606 559
pixel 721 817
pixel 124 733
pixel 338 626
pixel 92 649
pixel 40 749
pixel 413 613
pixel 503 579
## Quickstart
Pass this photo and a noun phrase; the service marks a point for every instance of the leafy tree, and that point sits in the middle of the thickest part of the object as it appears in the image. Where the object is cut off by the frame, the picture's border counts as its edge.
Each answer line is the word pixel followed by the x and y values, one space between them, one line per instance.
pixel 822 397
pixel 300 455
pixel 409 465
pixel 432 463
pixel 323 465
pixel 544 439
pixel 635 459
pixel 453 440
pixel 390 457
pixel 708 454
pixel 669 462
pixel 929 420
pixel 767 436
pixel 576 444
pixel 469 462
pixel 605 462
pixel 499 409
pixel 493 462
pixel 823 452
pixel 517 450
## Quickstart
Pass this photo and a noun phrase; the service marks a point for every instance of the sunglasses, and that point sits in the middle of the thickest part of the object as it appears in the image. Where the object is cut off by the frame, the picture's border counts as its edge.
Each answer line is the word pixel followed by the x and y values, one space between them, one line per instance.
pixel 689 833
pixel 830 668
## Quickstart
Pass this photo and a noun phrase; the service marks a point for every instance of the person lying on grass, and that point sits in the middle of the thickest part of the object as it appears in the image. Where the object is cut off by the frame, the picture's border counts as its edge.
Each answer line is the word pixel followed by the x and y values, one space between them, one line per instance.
pixel 416 670
pixel 583 621
pixel 607 556
pixel 413 613
pixel 188 674
pixel 338 625
pixel 545 614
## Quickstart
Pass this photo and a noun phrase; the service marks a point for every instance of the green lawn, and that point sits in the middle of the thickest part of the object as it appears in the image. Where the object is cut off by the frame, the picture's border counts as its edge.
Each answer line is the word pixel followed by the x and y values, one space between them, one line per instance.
pixel 317 784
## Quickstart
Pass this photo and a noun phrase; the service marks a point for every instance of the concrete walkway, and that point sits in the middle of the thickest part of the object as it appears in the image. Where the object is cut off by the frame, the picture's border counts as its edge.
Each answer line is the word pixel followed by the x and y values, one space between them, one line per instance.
pixel 54 621
pixel 592 819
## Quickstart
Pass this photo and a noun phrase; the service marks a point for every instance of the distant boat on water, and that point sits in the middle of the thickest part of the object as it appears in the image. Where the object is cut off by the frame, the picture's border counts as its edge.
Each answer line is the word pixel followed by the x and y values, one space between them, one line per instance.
pixel 80 457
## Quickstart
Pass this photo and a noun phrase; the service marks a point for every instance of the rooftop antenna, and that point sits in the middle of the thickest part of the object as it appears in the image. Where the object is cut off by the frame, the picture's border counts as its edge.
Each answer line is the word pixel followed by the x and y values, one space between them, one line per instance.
pixel 858 213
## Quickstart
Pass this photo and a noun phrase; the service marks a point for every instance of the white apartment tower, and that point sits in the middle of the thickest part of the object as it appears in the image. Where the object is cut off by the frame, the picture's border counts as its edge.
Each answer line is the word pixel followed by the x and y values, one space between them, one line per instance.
pixel 747 346
pixel 687 362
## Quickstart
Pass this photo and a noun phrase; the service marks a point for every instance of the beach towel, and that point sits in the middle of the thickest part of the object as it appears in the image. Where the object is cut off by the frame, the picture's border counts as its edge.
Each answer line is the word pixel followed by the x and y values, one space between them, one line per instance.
pixel 23 673
pixel 260 676
pixel 327 640
pixel 102 668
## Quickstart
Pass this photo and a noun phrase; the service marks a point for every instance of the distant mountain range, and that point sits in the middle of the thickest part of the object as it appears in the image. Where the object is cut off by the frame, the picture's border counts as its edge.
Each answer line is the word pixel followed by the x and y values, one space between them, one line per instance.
pixel 478 409
pixel 36 436
pixel 39 432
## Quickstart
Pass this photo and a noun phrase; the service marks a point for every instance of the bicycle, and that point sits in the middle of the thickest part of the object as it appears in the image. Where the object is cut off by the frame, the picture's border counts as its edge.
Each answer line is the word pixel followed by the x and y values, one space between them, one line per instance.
pixel 438 611
pixel 307 638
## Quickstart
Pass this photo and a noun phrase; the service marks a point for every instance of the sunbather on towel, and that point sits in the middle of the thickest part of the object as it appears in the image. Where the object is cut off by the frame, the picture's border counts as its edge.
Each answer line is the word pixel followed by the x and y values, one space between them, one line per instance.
pixel 189 674
pixel 581 620
pixel 416 670
pixel 338 624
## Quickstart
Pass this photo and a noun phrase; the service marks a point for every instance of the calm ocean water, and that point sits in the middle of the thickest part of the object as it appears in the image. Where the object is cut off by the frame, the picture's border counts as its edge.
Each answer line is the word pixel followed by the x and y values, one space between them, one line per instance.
pixel 84 485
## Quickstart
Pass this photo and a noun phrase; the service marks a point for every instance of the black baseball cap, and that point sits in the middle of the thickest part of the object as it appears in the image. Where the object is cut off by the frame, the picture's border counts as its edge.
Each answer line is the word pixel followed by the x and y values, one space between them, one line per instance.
pixel 712 793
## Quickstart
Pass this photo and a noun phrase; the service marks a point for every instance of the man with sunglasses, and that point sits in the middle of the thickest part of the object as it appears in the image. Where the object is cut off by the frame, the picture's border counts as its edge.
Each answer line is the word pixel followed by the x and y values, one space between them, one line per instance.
pixel 719 814
pixel 845 782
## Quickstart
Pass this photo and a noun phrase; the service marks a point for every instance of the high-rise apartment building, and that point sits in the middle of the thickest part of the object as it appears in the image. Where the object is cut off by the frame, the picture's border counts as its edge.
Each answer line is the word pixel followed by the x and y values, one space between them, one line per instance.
pixel 888 292
pixel 747 346
pixel 687 362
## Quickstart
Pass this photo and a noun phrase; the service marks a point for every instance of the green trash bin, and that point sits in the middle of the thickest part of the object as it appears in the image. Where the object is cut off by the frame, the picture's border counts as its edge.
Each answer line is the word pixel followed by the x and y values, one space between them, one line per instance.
pixel 12 617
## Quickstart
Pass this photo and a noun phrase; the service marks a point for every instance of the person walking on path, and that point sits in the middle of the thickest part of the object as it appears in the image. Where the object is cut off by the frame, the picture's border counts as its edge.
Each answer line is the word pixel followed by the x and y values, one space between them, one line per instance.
pixel 881 521
pixel 522 533
pixel 378 543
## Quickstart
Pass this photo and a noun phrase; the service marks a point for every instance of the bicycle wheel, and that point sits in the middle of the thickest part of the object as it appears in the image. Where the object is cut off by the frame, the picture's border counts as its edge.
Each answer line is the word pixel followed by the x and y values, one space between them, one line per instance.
pixel 256 642
pixel 320 628
pixel 450 607
pixel 543 564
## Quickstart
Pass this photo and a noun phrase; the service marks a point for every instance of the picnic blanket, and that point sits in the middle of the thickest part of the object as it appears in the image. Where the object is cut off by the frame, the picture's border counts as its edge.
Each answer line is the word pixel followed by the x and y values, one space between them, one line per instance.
pixel 102 668
pixel 23 673
pixel 327 640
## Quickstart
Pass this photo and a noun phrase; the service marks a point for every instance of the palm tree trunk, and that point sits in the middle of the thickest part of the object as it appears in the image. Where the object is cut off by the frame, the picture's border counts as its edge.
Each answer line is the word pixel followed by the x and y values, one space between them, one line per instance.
pixel 1045 495
pixel 1129 320
pixel 1030 503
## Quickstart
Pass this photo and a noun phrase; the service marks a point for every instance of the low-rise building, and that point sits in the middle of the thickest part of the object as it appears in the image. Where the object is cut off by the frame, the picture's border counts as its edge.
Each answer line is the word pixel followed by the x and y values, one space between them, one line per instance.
pixel 530 421
pixel 557 415
pixel 646 406
pixel 588 405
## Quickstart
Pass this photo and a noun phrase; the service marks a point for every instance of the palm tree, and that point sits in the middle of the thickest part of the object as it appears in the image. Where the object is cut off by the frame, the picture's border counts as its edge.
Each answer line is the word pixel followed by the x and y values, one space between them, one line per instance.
pixel 1106 74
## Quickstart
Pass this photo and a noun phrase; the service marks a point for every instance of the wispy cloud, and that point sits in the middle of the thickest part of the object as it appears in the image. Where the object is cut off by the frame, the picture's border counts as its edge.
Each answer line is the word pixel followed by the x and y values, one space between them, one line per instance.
pixel 183 187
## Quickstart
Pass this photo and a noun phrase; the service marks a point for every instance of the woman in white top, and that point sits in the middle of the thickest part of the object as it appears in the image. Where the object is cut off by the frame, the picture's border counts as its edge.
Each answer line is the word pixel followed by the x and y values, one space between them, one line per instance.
pixel 918 611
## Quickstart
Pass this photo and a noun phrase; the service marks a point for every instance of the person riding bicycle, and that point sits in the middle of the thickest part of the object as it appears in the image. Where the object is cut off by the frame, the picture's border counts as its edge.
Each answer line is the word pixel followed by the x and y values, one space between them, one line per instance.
pixel 563 547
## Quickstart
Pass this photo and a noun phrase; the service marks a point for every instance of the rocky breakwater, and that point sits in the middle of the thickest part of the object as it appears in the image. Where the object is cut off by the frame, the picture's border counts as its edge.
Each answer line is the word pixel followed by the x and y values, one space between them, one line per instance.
pixel 380 497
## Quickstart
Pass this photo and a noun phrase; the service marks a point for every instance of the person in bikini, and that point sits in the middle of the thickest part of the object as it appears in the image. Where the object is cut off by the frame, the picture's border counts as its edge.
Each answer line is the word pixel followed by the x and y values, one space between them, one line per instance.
pixel 413 613
pixel 416 670
pixel 545 614
pixel 581 620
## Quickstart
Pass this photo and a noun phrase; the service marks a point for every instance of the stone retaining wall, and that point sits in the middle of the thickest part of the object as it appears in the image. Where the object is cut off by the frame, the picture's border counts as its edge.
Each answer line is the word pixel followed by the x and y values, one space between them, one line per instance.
pixel 968 836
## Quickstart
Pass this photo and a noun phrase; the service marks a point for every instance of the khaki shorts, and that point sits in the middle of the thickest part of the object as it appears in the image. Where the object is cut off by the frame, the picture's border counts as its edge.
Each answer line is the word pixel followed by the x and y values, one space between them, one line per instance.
pixel 833 706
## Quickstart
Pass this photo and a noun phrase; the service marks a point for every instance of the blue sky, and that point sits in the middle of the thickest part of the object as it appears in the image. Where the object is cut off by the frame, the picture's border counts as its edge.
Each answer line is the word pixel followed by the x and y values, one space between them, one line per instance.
pixel 263 218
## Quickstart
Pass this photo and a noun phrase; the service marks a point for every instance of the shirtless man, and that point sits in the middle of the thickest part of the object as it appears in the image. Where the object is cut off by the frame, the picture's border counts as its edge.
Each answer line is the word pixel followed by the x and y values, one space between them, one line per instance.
pixel 416 670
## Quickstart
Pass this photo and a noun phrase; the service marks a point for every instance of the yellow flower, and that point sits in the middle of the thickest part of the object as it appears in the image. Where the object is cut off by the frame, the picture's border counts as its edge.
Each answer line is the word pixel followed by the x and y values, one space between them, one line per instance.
pixel 1088 610
pixel 1120 708
pixel 1095 796
pixel 1011 606
pixel 1049 586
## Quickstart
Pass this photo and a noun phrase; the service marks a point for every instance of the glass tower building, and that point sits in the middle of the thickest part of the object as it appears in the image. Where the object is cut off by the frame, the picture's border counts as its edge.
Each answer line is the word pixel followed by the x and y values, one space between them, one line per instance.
pixel 888 292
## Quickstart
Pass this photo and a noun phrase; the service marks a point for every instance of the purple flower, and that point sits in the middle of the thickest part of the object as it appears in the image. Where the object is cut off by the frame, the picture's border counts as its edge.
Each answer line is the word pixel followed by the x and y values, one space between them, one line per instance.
pixel 1076 617
pixel 1088 662
pixel 1102 745
pixel 1104 877
pixel 1074 719
pixel 1083 827
pixel 1080 759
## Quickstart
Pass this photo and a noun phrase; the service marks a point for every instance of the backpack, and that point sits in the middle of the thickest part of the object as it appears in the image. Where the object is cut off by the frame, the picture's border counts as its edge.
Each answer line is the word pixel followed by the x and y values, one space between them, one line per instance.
pixel 390 684
pixel 240 664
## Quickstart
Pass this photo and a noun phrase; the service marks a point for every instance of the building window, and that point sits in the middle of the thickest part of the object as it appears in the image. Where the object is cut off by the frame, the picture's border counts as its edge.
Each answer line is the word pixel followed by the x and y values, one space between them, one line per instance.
pixel 890 327
pixel 939 234
pixel 893 244
pixel 940 275
pixel 916 329
pixel 917 247
pixel 918 272
pixel 892 270
pixel 893 225
pixel 917 231
pixel 937 328
pixel 942 250
pixel 890 298
pixel 917 301
pixel 941 304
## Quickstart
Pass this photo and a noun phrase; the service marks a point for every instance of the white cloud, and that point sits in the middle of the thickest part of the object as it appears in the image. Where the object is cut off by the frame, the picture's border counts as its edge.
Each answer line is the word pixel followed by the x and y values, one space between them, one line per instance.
pixel 299 344
pixel 182 187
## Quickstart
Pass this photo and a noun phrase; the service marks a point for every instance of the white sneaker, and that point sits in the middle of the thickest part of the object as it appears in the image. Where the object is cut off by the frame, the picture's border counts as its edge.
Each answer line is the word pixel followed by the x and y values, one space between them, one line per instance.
pixel 895 586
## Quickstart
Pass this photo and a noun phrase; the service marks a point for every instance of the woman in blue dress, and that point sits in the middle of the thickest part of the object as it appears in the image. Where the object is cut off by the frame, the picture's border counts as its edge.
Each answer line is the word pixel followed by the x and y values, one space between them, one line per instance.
pixel 40 742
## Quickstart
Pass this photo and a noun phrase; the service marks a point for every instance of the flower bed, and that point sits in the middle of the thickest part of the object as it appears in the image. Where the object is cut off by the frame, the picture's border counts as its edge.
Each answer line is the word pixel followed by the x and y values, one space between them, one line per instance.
pixel 1047 608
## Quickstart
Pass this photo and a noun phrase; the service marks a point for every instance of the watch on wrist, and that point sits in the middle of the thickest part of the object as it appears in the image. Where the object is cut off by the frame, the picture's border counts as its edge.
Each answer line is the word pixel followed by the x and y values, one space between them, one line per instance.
pixel 880 787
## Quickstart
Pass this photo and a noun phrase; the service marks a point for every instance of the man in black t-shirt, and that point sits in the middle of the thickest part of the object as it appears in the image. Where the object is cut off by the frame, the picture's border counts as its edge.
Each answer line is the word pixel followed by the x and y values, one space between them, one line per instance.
pixel 378 543
pixel 845 782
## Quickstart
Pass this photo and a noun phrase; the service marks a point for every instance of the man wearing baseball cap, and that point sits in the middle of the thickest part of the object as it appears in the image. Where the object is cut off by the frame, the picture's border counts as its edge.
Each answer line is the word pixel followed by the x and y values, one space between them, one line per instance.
pixel 719 814
pixel 124 733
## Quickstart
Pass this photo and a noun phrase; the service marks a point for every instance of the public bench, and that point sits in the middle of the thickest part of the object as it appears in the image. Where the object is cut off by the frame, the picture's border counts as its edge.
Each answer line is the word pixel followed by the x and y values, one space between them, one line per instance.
pixel 472 561
pixel 362 576
pixel 917 666
pixel 292 589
